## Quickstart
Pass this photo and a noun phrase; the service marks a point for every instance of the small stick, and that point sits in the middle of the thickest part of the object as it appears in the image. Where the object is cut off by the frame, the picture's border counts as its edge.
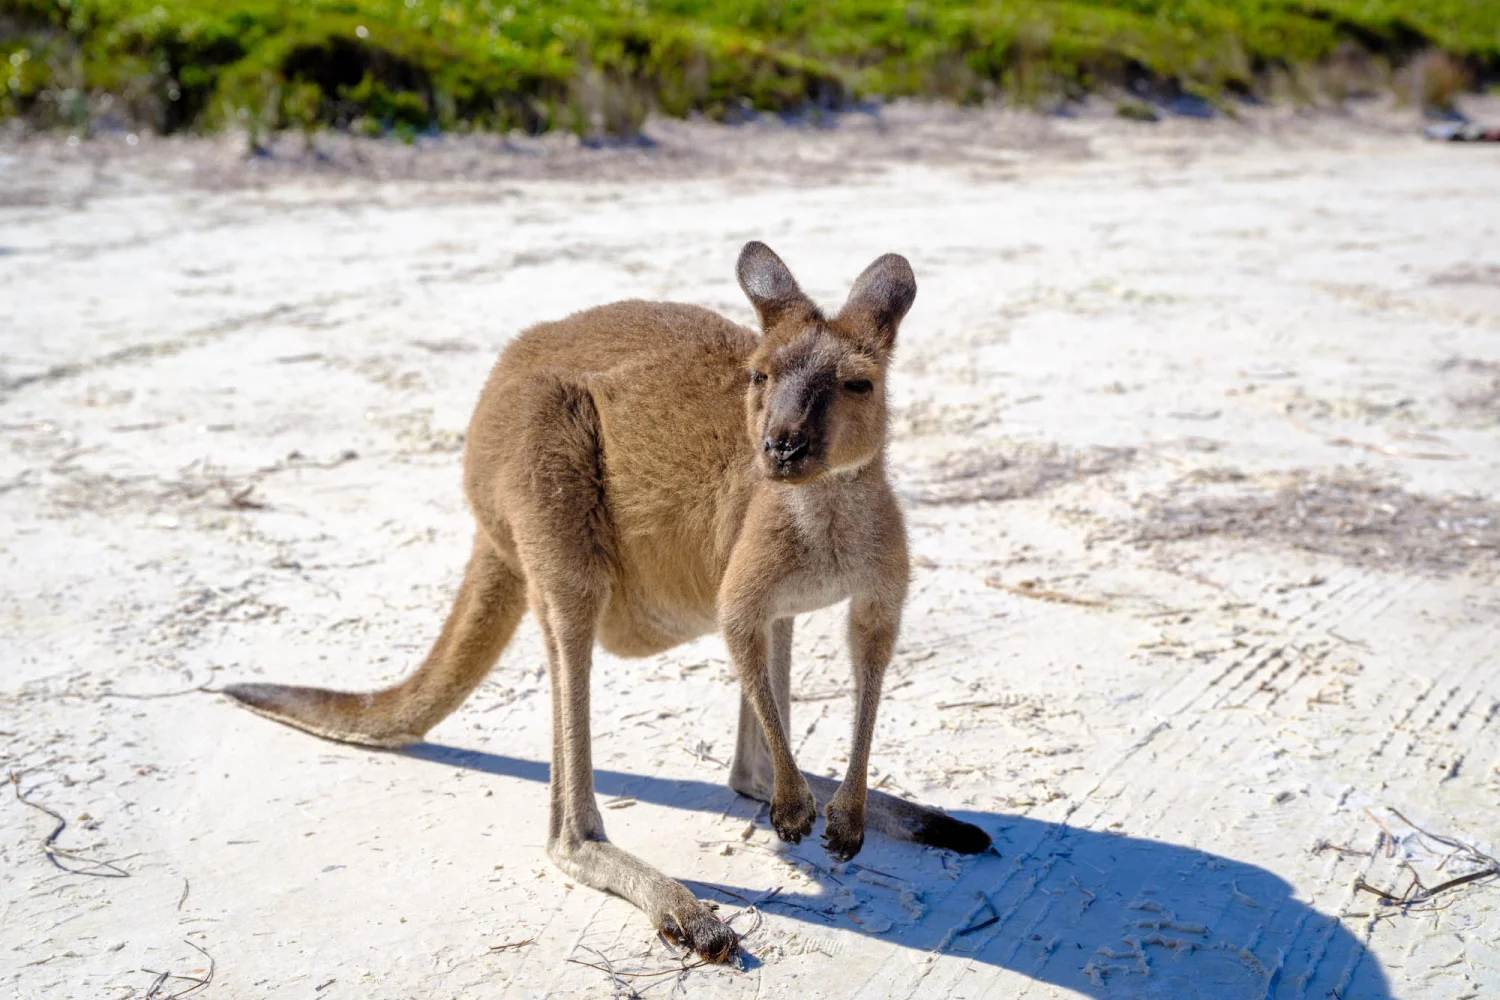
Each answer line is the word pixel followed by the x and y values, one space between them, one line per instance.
pixel 183 898
pixel 609 967
pixel 877 871
pixel 1461 880
pixel 198 983
pixel 978 927
pixel 1390 838
pixel 989 904
pixel 1416 880
pixel 1042 594
pixel 1410 897
pixel 53 853
pixel 203 983
pixel 1385 897
pixel 159 694
pixel 239 499
pixel 1448 841
pixel 512 944
pixel 822 696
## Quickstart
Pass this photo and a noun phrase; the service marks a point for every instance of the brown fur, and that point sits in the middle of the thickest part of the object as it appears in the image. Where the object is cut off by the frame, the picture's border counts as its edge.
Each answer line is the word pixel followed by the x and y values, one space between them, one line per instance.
pixel 641 474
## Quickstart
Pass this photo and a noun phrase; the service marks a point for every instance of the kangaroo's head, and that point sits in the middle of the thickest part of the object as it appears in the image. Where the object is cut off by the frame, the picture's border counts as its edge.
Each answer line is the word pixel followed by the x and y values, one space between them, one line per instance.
pixel 815 399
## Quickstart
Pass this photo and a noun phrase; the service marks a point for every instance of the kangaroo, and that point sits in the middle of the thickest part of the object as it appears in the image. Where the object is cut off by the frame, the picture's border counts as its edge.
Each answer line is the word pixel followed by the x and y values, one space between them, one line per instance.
pixel 642 473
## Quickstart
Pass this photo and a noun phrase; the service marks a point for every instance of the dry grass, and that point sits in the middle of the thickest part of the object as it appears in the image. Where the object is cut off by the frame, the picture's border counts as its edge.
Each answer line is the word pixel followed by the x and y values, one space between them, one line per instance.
pixel 1468 274
pixel 1481 396
pixel 1006 470
pixel 198 484
pixel 1344 514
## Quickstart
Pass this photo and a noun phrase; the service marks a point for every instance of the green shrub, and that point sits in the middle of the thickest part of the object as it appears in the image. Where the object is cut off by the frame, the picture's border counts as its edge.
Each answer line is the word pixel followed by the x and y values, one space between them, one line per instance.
pixel 414 65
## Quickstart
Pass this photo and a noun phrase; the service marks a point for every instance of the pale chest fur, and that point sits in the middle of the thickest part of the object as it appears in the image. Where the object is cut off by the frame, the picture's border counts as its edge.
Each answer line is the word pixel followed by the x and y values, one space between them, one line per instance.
pixel 838 545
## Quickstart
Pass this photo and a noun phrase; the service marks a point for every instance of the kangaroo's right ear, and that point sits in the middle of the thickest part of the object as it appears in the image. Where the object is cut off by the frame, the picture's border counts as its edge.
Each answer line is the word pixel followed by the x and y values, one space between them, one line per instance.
pixel 770 286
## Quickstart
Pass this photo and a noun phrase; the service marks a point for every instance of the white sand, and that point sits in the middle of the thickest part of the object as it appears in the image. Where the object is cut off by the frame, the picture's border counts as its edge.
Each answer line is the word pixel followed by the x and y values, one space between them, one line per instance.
pixel 232 400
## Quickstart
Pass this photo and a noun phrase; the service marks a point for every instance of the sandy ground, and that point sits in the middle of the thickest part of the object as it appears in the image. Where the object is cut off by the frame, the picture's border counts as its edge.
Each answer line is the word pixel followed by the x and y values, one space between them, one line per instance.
pixel 1197 425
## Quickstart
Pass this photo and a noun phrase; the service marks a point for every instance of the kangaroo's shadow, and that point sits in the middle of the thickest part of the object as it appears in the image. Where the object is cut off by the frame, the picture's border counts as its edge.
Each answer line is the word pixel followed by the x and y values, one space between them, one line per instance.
pixel 1104 914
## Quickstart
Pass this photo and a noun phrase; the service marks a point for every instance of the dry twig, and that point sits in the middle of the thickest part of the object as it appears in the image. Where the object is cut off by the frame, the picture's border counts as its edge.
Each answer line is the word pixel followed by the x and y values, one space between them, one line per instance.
pixel 623 980
pixel 199 982
pixel 1417 893
pixel 991 920
pixel 148 696
pixel 1003 703
pixel 1029 588
pixel 57 855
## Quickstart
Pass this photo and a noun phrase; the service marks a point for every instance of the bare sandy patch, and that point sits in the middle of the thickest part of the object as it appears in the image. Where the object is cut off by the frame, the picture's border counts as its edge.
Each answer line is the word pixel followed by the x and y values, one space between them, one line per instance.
pixel 1189 692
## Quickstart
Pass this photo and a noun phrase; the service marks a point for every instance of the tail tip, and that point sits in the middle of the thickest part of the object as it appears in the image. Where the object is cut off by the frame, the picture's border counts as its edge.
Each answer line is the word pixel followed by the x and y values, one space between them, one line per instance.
pixel 262 696
pixel 332 715
pixel 942 830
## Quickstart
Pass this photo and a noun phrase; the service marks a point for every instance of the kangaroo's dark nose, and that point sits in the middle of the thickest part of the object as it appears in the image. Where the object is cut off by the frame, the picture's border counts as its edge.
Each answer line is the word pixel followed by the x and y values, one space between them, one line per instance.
pixel 785 449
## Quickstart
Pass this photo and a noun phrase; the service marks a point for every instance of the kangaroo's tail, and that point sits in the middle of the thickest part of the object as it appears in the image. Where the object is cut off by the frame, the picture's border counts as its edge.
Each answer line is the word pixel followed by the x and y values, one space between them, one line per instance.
pixel 484 616
pixel 371 718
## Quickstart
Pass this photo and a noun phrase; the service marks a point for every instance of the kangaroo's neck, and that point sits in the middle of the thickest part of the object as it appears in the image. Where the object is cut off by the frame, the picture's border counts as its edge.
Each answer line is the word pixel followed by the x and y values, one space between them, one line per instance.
pixel 835 511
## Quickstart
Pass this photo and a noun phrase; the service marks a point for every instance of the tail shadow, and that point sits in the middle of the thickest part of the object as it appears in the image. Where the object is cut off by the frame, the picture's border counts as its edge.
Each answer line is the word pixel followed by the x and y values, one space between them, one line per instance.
pixel 1104 914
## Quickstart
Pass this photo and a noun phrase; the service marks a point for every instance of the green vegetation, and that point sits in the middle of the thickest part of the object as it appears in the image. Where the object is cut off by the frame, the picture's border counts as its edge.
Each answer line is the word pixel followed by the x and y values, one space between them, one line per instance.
pixel 413 65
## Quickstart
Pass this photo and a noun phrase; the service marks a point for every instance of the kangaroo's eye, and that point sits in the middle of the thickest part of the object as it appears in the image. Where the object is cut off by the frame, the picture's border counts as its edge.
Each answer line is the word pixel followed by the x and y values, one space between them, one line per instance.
pixel 859 386
pixel 757 378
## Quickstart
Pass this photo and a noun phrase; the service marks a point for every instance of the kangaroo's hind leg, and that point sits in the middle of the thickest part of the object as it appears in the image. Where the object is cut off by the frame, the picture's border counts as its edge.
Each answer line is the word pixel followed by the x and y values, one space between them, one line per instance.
pixel 576 840
pixel 563 536
pixel 488 607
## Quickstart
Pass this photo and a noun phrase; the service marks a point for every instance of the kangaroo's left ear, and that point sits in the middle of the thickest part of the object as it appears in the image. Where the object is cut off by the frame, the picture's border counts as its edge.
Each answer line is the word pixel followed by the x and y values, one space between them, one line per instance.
pixel 880 298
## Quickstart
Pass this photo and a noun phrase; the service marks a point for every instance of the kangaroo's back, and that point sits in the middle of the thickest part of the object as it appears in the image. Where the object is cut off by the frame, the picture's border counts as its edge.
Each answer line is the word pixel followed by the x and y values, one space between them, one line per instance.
pixel 624 336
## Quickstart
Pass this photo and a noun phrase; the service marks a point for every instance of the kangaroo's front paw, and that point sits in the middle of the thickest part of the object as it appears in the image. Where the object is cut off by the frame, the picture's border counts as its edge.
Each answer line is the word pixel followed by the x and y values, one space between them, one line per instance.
pixel 697 928
pixel 792 814
pixel 844 833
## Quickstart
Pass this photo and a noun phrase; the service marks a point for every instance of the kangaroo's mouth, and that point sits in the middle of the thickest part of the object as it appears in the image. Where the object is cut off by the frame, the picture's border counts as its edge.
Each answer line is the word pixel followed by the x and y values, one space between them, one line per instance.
pixel 797 471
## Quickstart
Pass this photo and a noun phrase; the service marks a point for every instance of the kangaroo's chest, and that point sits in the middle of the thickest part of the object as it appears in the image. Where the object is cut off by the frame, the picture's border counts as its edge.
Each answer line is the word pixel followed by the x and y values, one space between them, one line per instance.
pixel 834 551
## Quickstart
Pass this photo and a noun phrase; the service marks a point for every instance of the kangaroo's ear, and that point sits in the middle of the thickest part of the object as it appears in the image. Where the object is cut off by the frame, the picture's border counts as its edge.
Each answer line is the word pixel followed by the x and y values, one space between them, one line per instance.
pixel 770 286
pixel 880 298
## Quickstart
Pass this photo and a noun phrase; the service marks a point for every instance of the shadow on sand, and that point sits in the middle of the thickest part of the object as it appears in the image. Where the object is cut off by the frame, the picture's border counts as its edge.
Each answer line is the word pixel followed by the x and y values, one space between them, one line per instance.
pixel 1104 914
